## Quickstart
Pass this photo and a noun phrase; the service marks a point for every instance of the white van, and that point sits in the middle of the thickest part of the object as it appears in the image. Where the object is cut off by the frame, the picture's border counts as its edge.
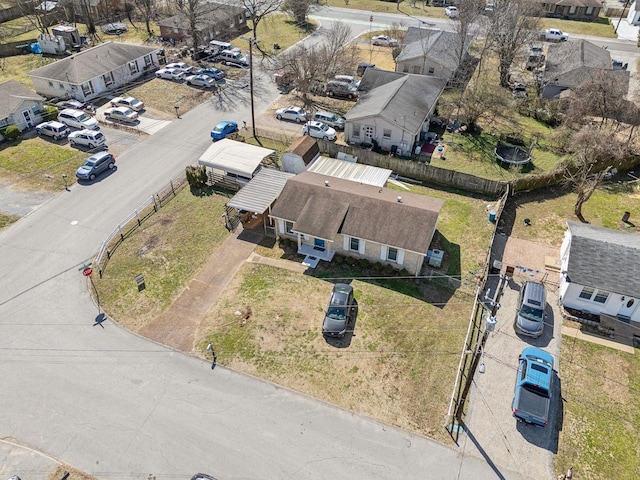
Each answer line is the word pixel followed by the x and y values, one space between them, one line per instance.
pixel 78 119
pixel 216 46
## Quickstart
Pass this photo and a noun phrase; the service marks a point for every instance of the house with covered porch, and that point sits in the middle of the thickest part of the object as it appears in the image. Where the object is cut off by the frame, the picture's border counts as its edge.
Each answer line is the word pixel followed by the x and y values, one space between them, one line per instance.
pixel 327 215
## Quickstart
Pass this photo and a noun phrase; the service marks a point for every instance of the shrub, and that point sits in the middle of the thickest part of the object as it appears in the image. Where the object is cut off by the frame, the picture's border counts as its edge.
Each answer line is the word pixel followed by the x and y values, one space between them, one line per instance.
pixel 364 263
pixel 196 176
pixel 11 132
pixel 339 259
pixel 388 269
pixel 404 272
pixel 50 113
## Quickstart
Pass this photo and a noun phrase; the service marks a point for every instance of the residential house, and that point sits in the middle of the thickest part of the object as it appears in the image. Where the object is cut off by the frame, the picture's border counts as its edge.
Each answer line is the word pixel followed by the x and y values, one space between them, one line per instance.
pixel 90 73
pixel 216 22
pixel 98 10
pixel 571 63
pixel 393 109
pixel 600 272
pixel 585 10
pixel 19 106
pixel 300 154
pixel 430 52
pixel 328 215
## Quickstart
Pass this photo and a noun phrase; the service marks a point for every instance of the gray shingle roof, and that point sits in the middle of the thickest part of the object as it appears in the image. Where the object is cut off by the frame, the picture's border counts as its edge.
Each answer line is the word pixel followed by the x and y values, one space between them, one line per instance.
pixel 437 45
pixel 605 259
pixel 403 99
pixel 358 210
pixel 565 57
pixel 213 13
pixel 93 62
pixel 12 94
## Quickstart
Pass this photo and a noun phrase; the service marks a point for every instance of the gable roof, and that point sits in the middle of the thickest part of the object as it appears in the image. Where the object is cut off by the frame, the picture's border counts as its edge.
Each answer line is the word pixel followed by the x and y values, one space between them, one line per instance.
pixel 92 62
pixel 431 43
pixel 565 57
pixel 12 94
pixel 305 147
pixel 604 258
pixel 356 210
pixel 573 3
pixel 404 99
pixel 213 13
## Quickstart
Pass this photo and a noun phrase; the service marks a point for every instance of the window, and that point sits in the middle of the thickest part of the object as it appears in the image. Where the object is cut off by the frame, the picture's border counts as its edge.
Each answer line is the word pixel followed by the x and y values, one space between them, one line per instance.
pixel 356 130
pixel 392 254
pixel 147 60
pixel 87 89
pixel 386 133
pixel 354 244
pixel 601 296
pixel 50 83
pixel 572 10
pixel 588 11
pixel 432 70
pixel 108 79
pixel 133 67
pixel 586 293
pixel 550 7
pixel 288 227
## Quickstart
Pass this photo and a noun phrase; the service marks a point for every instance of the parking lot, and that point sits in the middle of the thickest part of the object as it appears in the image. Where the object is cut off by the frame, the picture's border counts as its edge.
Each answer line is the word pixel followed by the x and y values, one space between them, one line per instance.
pixel 493 432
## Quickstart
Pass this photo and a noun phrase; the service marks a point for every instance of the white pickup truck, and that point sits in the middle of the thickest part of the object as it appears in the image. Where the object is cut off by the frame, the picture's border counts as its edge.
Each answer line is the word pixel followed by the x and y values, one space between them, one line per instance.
pixel 553 35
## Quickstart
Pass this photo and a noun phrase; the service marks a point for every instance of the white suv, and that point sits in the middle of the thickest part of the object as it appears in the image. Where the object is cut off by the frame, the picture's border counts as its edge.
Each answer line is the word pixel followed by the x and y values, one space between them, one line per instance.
pixel 87 138
pixel 78 119
pixel 234 58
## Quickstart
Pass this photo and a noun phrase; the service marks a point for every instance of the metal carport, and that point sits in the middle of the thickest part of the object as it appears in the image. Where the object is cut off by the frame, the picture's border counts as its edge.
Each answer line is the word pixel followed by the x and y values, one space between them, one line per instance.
pixel 258 195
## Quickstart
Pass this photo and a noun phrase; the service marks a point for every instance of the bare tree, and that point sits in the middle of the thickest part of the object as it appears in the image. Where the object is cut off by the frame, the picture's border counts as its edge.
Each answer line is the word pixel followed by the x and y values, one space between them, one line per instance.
pixel 514 24
pixel 468 13
pixel 298 9
pixel 147 8
pixel 305 64
pixel 259 9
pixel 36 12
pixel 193 10
pixel 592 161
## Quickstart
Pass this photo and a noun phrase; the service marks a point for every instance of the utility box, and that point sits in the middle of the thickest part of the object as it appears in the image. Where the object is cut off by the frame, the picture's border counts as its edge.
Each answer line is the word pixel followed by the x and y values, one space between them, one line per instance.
pixel 434 258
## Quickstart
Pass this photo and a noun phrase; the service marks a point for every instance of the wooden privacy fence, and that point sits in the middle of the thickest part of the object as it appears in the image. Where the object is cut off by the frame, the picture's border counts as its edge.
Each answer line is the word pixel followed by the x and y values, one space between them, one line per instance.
pixel 135 219
pixel 418 170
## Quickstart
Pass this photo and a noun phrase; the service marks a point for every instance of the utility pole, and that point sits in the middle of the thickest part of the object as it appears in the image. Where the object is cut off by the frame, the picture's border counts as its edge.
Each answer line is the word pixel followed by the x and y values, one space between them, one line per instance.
pixel 626 4
pixel 253 116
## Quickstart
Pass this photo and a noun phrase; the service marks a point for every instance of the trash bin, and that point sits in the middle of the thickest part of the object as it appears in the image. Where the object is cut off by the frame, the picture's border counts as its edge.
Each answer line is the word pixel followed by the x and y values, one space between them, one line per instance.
pixel 492 216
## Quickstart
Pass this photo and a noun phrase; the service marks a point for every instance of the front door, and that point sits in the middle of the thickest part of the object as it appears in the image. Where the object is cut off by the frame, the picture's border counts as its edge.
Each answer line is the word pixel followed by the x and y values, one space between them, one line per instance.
pixel 369 132
pixel 27 118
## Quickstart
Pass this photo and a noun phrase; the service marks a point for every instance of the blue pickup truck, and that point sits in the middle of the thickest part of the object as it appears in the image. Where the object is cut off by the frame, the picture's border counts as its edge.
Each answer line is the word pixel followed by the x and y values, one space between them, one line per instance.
pixel 533 387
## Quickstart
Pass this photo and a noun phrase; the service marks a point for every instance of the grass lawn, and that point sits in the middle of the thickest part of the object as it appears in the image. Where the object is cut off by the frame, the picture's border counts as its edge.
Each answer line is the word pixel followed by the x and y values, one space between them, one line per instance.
pixel 400 373
pixel 601 402
pixel 38 164
pixel 168 249
pixel 602 27
pixel 6 220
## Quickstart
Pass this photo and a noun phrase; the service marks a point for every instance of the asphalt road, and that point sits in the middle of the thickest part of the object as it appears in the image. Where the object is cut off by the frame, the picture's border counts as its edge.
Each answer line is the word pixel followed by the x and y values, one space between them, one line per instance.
pixel 119 406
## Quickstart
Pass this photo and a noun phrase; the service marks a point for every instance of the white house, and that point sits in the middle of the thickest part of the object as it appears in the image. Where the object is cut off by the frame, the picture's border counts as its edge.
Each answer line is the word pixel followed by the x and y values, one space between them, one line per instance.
pixel 328 215
pixel 600 272
pixel 19 106
pixel 90 73
pixel 393 109
pixel 430 52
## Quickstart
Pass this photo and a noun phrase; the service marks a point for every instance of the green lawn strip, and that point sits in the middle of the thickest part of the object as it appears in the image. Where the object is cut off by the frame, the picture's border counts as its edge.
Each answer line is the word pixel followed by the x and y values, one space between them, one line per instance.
pixel 40 163
pixel 392 369
pixel 16 68
pixel 6 220
pixel 602 27
pixel 408 8
pixel 601 411
pixel 168 249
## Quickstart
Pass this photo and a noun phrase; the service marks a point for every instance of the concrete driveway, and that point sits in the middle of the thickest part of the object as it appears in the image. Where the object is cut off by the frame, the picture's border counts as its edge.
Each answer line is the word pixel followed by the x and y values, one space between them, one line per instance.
pixel 145 123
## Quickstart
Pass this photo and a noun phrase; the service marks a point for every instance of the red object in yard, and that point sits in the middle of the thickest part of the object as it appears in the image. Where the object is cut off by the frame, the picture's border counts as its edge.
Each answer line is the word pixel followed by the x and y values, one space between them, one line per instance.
pixel 87 271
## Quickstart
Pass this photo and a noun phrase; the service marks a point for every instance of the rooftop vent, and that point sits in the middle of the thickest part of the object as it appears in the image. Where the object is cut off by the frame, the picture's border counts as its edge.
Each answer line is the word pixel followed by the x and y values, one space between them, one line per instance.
pixel 399 199
pixel 326 183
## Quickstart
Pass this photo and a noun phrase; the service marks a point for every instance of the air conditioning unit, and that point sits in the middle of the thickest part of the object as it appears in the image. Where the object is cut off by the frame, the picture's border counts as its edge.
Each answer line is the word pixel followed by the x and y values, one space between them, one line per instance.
pixel 434 258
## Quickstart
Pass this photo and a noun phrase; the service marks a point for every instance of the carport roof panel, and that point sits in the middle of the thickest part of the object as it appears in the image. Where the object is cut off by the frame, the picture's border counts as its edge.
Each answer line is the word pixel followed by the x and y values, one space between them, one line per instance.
pixel 234 157
pixel 356 172
pixel 263 189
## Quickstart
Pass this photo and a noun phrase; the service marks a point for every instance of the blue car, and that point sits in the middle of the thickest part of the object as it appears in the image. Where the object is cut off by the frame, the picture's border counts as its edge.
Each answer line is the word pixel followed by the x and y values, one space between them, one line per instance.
pixel 222 129
pixel 214 73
